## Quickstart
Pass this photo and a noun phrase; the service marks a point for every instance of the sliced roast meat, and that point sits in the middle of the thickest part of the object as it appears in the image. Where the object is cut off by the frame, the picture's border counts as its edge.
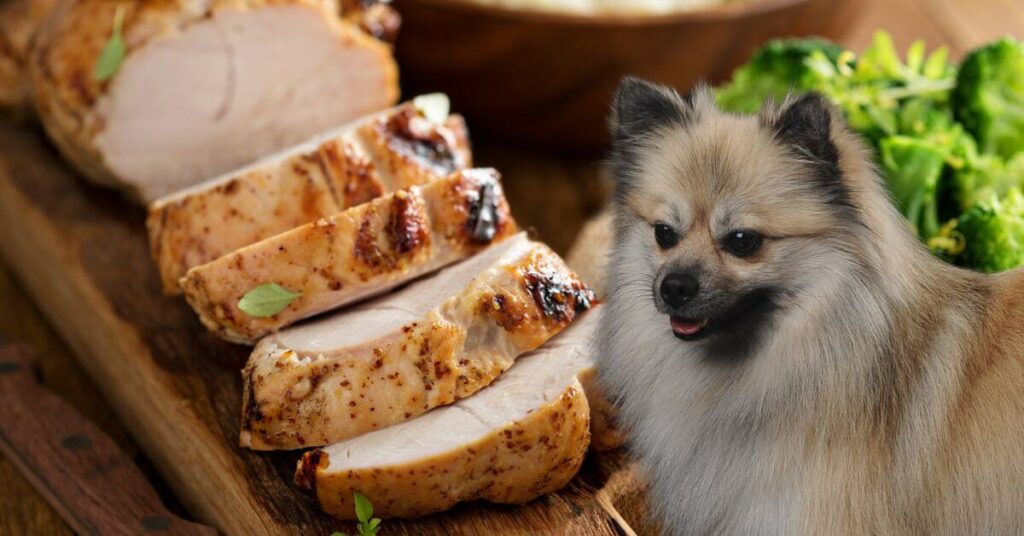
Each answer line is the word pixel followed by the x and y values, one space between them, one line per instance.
pixel 523 436
pixel 435 341
pixel 359 252
pixel 204 88
pixel 317 179
pixel 411 149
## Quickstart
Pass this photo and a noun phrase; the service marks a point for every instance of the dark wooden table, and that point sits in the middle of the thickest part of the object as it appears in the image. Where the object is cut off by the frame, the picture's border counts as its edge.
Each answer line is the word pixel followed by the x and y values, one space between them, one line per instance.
pixel 551 195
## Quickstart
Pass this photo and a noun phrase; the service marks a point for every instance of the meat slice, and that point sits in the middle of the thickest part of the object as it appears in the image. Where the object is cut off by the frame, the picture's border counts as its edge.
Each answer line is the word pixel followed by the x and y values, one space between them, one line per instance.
pixel 435 341
pixel 354 254
pixel 205 87
pixel 522 437
pixel 314 180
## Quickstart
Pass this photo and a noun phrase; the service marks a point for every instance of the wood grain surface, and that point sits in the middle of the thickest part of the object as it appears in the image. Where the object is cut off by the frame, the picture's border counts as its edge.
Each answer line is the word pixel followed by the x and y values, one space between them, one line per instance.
pixel 549 193
pixel 79 469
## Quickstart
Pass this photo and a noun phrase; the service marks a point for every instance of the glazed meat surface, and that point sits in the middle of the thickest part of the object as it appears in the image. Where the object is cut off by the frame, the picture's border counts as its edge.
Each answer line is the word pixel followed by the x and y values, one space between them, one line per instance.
pixel 435 341
pixel 521 437
pixel 334 171
pixel 357 253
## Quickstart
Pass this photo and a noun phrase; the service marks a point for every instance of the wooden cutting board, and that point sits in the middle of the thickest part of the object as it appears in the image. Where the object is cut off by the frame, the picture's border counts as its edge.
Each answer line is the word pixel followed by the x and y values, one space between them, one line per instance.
pixel 82 253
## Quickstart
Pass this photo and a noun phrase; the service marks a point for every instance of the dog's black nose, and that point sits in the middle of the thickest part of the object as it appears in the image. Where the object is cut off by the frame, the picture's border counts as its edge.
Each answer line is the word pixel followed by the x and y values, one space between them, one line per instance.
pixel 677 289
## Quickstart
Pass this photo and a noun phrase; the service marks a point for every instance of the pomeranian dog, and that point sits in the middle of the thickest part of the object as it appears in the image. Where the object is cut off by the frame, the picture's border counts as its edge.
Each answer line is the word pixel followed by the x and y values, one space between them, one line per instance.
pixel 786 355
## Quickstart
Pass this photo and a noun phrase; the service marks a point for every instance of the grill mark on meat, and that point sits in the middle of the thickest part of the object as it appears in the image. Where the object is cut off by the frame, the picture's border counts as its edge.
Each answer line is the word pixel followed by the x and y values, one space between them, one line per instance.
pixel 558 297
pixel 354 173
pixel 305 475
pixel 366 249
pixel 407 230
pixel 484 217
pixel 252 412
pixel 413 136
pixel 509 314
pixel 361 184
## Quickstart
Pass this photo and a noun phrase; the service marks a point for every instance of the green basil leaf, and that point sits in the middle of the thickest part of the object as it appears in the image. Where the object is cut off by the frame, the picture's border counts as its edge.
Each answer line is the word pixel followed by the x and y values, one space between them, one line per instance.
pixel 433 106
pixel 112 55
pixel 266 300
pixel 364 509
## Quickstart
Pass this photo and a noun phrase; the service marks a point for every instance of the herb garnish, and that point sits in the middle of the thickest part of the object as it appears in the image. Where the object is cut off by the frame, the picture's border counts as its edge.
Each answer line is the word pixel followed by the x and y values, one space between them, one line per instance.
pixel 368 525
pixel 112 55
pixel 266 300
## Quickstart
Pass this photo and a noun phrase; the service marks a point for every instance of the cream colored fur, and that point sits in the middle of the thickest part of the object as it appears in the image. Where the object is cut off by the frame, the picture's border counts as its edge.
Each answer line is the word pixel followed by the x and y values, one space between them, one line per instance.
pixel 887 396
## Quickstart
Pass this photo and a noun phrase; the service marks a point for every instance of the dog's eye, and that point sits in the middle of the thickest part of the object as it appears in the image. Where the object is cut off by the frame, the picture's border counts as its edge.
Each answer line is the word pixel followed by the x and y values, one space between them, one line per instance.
pixel 742 243
pixel 665 236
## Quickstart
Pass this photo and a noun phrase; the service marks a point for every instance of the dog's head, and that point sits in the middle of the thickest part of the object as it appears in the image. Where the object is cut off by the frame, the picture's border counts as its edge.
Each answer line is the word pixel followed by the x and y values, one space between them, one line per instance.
pixel 723 220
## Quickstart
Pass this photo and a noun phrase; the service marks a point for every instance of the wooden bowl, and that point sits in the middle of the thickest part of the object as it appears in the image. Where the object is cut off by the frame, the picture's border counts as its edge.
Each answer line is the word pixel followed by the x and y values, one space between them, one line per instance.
pixel 544 80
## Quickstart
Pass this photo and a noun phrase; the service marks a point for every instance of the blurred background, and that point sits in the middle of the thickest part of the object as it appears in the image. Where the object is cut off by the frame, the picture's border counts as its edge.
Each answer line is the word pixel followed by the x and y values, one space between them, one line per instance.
pixel 534 85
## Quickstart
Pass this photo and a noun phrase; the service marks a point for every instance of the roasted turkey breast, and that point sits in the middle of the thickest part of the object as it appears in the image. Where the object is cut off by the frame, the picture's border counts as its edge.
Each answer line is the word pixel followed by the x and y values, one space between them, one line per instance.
pixel 334 171
pixel 435 341
pixel 205 86
pixel 354 254
pixel 523 436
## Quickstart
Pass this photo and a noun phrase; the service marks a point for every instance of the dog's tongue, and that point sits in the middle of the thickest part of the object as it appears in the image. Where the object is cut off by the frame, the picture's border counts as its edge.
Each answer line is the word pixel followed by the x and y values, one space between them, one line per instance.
pixel 685 326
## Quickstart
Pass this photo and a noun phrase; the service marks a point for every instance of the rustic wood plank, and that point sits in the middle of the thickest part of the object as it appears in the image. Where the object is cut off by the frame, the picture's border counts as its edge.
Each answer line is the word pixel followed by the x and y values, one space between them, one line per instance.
pixel 22 510
pixel 81 252
pixel 79 469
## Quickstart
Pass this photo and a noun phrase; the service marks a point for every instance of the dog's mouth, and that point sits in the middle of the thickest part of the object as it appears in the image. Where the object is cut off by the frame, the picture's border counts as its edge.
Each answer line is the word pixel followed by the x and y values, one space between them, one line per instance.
pixel 688 329
pixel 731 331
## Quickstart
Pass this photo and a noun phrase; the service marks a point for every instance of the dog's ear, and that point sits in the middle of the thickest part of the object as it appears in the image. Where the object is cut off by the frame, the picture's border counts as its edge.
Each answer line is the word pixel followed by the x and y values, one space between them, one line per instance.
pixel 805 124
pixel 640 107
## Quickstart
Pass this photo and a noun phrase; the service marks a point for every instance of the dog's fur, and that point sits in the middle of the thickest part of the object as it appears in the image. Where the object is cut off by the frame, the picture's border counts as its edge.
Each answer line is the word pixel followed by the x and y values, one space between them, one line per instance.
pixel 851 382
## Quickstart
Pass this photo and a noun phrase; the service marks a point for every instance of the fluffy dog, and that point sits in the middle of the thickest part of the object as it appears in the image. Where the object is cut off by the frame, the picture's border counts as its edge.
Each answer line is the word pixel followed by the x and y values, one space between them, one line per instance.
pixel 786 355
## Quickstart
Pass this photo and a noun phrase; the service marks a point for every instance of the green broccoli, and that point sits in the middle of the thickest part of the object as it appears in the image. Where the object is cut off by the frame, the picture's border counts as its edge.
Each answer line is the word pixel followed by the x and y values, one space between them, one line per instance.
pixel 989 96
pixel 993 230
pixel 913 167
pixel 775 69
pixel 986 175
pixel 945 139
pixel 880 95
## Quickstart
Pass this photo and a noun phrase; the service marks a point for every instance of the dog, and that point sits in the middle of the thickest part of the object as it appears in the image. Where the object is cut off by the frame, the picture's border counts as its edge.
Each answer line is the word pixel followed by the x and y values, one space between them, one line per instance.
pixel 785 354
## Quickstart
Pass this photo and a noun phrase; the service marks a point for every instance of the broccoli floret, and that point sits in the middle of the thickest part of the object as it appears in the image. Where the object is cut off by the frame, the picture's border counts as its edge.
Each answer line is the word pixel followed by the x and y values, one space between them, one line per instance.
pixel 989 96
pixel 774 70
pixel 880 95
pixel 993 230
pixel 986 175
pixel 913 167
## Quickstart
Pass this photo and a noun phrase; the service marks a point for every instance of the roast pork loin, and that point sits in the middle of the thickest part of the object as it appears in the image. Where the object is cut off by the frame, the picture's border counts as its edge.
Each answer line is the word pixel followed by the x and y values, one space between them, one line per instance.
pixel 521 437
pixel 359 252
pixel 205 86
pixel 340 169
pixel 435 341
